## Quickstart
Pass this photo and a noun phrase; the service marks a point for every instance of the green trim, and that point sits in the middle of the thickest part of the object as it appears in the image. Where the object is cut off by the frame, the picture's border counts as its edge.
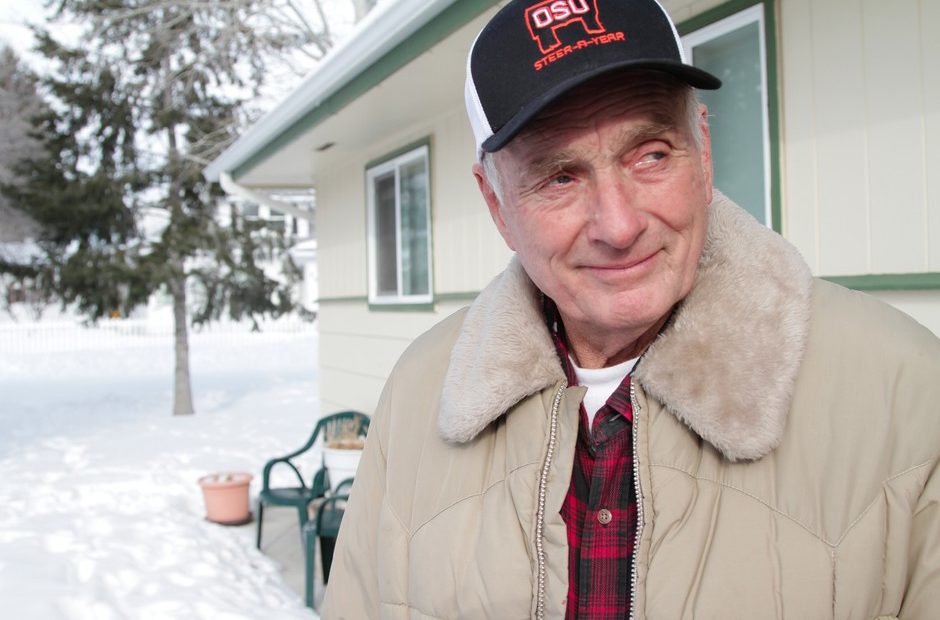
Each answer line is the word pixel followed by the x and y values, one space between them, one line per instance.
pixel 773 92
pixel 429 307
pixel 715 14
pixel 889 282
pixel 343 300
pixel 774 115
pixel 432 218
pixel 448 21
pixel 417 144
pixel 462 296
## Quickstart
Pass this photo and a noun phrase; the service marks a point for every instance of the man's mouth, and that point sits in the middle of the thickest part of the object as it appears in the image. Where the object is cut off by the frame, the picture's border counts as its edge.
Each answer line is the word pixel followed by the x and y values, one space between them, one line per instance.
pixel 624 265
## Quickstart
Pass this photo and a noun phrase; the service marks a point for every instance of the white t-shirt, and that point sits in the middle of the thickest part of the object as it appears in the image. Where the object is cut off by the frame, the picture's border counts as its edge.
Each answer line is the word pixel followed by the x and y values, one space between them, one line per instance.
pixel 600 384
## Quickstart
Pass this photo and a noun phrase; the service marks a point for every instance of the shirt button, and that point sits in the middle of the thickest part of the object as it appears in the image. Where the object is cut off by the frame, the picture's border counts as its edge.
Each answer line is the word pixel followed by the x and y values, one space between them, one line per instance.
pixel 604 516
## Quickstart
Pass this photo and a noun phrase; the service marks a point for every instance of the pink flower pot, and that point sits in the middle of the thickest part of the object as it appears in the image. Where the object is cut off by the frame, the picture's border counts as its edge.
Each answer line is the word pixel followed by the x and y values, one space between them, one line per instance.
pixel 226 497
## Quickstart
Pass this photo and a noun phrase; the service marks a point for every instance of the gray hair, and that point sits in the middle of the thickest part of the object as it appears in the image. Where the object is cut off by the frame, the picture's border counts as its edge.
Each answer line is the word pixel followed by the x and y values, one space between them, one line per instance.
pixel 491 174
pixel 691 104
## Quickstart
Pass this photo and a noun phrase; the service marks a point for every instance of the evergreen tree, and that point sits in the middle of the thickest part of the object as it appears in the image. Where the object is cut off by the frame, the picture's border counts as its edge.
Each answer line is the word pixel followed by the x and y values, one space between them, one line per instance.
pixel 20 103
pixel 154 91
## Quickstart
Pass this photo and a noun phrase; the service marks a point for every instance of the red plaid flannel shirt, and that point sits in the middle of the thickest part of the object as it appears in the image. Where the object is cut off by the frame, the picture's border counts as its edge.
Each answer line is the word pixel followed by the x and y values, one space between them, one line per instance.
pixel 600 510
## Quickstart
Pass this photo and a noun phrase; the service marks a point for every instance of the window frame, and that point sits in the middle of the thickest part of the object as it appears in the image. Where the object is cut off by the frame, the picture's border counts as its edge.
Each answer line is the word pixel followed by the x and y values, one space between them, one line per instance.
pixel 757 12
pixel 381 168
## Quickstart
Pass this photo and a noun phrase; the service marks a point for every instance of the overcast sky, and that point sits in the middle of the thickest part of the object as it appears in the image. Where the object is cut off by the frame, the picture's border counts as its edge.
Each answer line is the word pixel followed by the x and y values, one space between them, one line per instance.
pixel 13 15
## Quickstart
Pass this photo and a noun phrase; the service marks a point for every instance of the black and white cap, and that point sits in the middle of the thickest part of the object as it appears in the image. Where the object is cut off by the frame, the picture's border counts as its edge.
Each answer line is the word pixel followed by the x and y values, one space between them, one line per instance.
pixel 534 51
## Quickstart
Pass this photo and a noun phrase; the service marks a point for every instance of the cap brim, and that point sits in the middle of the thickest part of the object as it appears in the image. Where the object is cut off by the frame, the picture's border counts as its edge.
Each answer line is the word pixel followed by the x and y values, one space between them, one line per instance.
pixel 692 76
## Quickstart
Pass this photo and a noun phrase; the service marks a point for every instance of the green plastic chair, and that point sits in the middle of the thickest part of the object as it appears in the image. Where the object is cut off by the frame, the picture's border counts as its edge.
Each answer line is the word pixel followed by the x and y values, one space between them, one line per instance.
pixel 342 424
pixel 325 527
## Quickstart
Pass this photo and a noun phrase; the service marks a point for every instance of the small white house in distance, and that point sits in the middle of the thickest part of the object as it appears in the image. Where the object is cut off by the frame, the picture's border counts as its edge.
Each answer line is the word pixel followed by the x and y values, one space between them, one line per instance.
pixel 827 129
pixel 286 211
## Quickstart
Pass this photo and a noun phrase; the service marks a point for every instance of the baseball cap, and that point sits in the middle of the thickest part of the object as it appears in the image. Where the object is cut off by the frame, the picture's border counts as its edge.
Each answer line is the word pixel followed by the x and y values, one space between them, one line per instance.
pixel 534 51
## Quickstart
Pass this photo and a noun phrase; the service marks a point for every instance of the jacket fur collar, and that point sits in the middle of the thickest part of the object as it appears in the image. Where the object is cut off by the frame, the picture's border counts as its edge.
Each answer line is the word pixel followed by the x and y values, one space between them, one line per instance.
pixel 725 365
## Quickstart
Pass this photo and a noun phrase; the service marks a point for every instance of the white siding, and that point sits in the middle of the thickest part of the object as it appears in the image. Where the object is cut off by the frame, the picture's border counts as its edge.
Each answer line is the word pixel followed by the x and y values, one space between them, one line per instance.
pixel 893 90
pixel 461 224
pixel 341 233
pixel 359 347
pixel 468 250
pixel 341 390
pixel 860 115
pixel 929 22
pixel 921 305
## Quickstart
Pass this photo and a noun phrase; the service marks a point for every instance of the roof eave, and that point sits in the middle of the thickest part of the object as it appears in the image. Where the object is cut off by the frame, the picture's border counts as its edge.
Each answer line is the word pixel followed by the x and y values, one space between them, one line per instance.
pixel 380 31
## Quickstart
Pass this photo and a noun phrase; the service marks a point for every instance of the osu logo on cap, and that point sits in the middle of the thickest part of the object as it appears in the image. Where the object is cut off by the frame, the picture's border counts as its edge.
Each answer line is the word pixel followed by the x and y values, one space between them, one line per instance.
pixel 546 17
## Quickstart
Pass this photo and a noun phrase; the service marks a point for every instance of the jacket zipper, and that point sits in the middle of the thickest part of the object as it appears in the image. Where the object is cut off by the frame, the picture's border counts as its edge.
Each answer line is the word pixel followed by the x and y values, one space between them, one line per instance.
pixel 540 512
pixel 639 501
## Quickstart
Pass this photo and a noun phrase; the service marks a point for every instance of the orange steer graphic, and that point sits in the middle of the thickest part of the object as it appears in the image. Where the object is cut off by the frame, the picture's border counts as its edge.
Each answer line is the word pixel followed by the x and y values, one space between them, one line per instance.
pixel 545 18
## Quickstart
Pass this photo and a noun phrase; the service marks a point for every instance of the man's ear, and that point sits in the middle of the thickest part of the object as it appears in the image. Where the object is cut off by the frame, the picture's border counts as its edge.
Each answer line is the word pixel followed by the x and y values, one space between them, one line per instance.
pixel 493 203
pixel 706 151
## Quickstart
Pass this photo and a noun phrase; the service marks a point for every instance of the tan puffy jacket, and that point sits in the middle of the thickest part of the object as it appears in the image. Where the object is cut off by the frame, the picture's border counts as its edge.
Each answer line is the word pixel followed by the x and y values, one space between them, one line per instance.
pixel 786 440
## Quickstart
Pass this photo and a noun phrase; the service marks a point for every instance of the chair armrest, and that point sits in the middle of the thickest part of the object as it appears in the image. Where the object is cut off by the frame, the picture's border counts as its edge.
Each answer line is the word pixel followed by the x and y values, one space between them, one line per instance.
pixel 321 482
pixel 266 474
pixel 344 486
pixel 307 445
pixel 301 449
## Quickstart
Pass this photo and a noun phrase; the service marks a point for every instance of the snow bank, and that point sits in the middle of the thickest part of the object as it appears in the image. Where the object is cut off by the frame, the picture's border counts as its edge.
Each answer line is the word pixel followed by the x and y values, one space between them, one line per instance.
pixel 100 513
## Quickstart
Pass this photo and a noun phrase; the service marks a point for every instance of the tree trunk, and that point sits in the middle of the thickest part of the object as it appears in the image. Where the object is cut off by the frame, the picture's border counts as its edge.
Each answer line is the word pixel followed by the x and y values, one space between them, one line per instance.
pixel 182 388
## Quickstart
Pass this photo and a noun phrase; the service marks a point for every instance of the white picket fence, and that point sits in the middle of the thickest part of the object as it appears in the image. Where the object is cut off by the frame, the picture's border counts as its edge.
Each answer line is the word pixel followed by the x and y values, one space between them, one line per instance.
pixel 60 336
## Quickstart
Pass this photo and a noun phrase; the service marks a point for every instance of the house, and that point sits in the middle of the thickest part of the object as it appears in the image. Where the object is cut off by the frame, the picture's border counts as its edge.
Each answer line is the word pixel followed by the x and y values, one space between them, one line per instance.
pixel 291 213
pixel 828 128
pixel 18 233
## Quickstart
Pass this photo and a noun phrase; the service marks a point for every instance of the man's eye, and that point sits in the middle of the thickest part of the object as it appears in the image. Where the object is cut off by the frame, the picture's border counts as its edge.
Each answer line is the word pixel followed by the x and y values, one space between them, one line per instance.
pixel 561 179
pixel 651 158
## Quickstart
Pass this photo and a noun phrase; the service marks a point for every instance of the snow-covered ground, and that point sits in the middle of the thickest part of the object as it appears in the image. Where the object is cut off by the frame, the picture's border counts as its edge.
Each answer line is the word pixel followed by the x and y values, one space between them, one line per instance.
pixel 101 517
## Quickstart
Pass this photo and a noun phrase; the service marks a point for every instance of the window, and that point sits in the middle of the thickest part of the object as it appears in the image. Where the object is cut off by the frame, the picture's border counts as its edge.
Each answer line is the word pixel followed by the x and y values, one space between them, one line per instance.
pixel 272 220
pixel 399 224
pixel 734 50
pixel 275 220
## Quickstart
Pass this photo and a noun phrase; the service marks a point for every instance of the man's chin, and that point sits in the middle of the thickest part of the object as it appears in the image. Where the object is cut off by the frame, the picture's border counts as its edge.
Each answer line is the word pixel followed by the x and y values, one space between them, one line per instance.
pixel 635 313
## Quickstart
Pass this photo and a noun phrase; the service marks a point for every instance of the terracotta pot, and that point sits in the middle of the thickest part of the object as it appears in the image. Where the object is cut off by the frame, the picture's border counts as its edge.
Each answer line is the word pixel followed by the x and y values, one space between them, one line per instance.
pixel 226 497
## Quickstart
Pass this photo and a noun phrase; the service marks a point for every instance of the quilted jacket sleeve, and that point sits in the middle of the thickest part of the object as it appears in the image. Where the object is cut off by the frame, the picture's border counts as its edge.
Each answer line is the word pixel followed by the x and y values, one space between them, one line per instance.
pixel 922 599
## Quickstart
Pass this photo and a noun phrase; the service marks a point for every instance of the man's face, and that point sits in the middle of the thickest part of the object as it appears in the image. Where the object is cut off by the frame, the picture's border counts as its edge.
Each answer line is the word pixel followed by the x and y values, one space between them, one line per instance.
pixel 604 201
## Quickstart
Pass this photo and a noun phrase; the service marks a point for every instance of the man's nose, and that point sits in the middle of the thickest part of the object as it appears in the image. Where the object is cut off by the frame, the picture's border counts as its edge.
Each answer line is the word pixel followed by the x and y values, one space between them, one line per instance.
pixel 615 218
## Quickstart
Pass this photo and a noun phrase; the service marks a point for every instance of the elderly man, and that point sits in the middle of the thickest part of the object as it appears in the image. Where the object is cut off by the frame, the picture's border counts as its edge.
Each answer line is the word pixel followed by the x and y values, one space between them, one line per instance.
pixel 655 411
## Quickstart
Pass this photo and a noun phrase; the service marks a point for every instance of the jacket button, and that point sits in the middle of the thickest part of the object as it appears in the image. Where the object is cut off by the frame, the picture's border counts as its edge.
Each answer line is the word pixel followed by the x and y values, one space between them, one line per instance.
pixel 604 516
